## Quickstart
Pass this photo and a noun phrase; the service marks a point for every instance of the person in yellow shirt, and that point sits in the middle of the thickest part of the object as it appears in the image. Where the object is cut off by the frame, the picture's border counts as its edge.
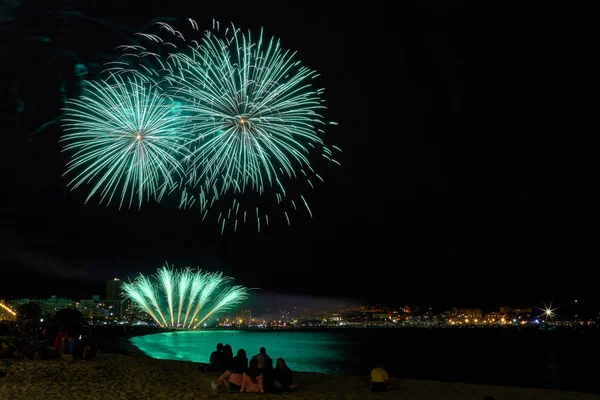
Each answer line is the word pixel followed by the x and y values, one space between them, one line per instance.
pixel 380 381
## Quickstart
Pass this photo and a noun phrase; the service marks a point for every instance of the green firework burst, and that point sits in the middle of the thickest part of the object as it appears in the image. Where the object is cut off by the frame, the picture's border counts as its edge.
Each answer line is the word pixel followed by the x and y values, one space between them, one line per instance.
pixel 248 121
pixel 125 140
pixel 184 298
pixel 254 111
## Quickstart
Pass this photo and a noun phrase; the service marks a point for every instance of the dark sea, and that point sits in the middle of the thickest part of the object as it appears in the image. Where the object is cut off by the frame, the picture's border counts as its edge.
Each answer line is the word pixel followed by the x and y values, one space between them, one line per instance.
pixel 562 359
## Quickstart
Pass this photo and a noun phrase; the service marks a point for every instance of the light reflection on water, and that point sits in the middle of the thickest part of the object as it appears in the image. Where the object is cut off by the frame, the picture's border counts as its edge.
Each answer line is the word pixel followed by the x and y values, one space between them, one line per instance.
pixel 303 351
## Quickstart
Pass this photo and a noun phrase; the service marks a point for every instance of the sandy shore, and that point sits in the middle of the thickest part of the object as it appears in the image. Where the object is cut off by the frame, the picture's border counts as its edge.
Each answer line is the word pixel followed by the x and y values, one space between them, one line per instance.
pixel 115 376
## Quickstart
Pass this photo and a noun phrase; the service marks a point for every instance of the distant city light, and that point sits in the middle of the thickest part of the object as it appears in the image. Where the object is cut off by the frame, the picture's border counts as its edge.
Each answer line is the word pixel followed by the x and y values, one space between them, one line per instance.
pixel 98 311
pixel 8 309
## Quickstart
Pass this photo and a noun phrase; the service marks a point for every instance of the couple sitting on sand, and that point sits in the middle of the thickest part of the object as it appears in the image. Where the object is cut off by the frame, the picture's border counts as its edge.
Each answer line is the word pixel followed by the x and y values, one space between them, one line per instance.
pixel 258 377
pixel 221 359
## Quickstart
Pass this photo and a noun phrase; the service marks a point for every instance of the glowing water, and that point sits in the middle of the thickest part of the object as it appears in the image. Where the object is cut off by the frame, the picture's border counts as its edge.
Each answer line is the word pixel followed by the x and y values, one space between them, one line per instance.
pixel 322 352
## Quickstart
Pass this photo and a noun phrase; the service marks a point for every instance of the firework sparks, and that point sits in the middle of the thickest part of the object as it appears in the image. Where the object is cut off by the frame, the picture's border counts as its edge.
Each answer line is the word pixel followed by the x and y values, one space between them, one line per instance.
pixel 175 291
pixel 254 111
pixel 256 119
pixel 233 113
pixel 125 138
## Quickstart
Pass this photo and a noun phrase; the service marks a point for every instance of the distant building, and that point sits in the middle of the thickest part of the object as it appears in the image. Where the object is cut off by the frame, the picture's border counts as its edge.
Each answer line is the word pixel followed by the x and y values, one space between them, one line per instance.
pixel 132 312
pixel 376 309
pixel 463 314
pixel 95 308
pixel 49 306
pixel 54 303
pixel 469 313
pixel 381 315
pixel 511 313
pixel 245 316
pixel 494 317
pixel 335 317
pixel 113 289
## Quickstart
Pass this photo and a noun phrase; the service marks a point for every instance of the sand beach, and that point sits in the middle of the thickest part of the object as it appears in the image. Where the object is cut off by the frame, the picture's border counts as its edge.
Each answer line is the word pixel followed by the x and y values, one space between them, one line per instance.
pixel 135 377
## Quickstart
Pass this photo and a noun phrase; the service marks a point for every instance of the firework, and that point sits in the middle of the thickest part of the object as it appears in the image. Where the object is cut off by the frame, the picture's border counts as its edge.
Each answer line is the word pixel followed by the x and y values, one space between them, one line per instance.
pixel 248 121
pixel 255 114
pixel 183 298
pixel 257 122
pixel 125 139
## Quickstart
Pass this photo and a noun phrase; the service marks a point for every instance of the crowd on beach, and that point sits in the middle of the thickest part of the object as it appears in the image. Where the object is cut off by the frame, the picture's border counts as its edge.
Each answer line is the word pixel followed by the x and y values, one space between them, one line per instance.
pixel 255 376
pixel 40 343
pixel 238 374
pixel 259 376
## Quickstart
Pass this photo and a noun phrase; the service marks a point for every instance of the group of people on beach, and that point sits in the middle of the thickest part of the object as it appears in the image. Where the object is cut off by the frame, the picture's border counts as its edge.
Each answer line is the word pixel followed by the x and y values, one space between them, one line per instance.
pixel 69 342
pixel 259 376
pixel 41 343
pixel 256 376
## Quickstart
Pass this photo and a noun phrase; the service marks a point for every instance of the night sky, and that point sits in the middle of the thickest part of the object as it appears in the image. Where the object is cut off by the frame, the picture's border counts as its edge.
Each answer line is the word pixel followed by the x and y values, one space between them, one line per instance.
pixel 413 215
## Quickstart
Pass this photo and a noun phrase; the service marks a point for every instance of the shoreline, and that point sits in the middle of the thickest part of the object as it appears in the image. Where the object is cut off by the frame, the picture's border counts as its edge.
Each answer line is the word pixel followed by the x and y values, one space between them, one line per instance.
pixel 131 377
pixel 131 350
pixel 543 327
pixel 127 347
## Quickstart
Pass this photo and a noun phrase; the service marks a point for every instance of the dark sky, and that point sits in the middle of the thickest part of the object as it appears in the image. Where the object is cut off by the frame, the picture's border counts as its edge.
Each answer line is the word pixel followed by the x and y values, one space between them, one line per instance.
pixel 413 215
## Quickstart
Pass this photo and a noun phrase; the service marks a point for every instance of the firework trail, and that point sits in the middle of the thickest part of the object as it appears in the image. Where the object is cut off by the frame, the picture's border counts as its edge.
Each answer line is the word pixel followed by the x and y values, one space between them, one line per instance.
pixel 174 291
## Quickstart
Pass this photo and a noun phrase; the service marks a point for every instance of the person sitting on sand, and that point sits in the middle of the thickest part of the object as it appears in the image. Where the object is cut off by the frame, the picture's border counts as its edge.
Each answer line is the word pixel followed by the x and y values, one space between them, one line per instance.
pixel 216 359
pixel 233 377
pixel 284 378
pixel 227 357
pixel 380 379
pixel 44 336
pixel 261 358
pixel 89 349
pixel 64 343
pixel 59 338
pixel 75 347
pixel 252 381
pixel 268 374
pixel 265 364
